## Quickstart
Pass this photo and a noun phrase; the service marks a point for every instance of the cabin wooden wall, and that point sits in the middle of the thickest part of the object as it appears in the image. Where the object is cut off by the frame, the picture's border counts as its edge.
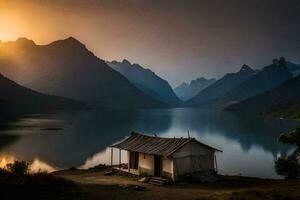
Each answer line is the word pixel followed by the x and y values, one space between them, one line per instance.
pixel 146 163
pixel 191 158
pixel 167 167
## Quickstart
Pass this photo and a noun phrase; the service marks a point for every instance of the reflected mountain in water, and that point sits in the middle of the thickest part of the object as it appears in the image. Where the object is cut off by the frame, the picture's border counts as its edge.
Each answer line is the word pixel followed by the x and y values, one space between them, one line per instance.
pixel 248 131
pixel 80 138
pixel 83 134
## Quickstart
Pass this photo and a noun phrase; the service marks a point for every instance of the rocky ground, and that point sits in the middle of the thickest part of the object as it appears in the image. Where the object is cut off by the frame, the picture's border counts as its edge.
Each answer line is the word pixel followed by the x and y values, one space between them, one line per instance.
pixel 95 184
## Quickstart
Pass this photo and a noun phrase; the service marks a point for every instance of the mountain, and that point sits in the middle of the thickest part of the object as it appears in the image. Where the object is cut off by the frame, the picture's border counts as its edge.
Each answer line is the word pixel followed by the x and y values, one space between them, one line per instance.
pixel 267 79
pixel 67 68
pixel 221 87
pixel 146 80
pixel 181 89
pixel 186 91
pixel 16 99
pixel 283 101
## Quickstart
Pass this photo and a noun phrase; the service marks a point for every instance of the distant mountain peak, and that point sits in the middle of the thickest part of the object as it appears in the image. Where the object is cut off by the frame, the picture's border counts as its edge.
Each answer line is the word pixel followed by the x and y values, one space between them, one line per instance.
pixel 146 81
pixel 280 61
pixel 186 91
pixel 200 79
pixel 246 68
pixel 126 62
pixel 183 84
pixel 70 42
pixel 25 42
pixel 73 40
pixel 114 62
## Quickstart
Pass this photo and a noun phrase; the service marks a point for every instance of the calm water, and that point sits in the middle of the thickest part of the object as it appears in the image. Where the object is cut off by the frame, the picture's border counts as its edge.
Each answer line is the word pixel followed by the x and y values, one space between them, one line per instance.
pixel 249 144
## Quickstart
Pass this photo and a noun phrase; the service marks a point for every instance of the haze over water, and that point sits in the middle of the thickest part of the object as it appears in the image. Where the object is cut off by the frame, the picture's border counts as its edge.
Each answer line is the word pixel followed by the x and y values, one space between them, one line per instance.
pixel 249 145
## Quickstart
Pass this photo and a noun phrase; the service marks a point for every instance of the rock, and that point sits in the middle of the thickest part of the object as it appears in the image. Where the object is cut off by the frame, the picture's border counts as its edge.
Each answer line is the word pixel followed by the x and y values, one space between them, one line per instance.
pixel 135 187
pixel 201 177
pixel 144 180
pixel 139 188
pixel 110 172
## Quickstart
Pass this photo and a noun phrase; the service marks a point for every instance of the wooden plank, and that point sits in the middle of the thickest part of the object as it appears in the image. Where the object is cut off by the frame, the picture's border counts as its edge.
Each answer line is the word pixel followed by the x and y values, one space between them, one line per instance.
pixel 111 156
pixel 120 158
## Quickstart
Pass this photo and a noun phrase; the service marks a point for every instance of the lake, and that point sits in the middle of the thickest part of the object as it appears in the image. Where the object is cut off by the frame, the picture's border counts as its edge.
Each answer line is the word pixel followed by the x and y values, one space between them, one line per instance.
pixel 79 139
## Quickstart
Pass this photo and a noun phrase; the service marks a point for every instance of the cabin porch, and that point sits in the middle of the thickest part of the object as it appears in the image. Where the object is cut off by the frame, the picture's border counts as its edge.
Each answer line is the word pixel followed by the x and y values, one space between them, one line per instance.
pixel 143 163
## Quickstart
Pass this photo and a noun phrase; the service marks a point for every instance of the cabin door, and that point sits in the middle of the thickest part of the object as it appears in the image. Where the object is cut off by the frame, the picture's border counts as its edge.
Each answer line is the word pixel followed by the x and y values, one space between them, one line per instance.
pixel 157 166
pixel 134 160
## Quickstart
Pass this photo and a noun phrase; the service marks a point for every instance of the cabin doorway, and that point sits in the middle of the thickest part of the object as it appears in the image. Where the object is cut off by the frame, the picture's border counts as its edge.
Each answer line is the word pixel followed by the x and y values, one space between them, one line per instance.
pixel 157 166
pixel 134 160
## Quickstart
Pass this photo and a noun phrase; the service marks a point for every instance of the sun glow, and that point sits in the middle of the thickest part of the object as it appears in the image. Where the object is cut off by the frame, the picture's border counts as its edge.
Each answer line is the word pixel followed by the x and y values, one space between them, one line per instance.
pixel 10 27
pixel 20 21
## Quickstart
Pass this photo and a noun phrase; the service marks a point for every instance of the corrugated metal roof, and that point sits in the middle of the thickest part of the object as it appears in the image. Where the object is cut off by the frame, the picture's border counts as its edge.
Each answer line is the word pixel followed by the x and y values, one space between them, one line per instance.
pixel 154 145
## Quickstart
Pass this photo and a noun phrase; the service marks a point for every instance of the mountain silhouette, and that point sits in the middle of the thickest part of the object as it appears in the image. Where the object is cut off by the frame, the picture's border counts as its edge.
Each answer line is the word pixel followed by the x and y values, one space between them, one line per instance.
pixel 267 79
pixel 186 91
pixel 16 99
pixel 146 80
pixel 67 68
pixel 283 101
pixel 221 87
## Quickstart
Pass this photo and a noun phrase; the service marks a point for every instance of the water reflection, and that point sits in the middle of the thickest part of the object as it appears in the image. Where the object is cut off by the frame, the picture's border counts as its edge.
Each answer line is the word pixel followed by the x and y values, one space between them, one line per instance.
pixel 35 166
pixel 40 166
pixel 249 144
pixel 104 157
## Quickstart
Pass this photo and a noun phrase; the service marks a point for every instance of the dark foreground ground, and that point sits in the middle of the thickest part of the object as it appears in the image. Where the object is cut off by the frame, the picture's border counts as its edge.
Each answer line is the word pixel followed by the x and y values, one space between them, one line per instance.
pixel 94 184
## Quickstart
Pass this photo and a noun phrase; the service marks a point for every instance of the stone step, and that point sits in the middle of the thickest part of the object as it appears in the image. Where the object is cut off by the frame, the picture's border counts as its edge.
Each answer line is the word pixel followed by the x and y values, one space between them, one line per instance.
pixel 155 183
pixel 158 181
pixel 159 178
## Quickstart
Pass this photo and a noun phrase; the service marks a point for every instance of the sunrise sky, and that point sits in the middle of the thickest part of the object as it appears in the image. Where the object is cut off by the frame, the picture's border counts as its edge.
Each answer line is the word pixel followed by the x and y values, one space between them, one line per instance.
pixel 179 40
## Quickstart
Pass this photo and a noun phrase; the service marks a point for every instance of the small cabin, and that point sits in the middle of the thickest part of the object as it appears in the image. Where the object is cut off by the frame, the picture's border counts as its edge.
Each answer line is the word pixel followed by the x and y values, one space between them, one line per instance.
pixel 167 157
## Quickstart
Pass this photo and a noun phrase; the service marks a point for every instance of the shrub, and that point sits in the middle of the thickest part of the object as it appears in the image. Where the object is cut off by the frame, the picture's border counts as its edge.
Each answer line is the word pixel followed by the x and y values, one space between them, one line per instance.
pixel 289 167
pixel 144 174
pixel 18 167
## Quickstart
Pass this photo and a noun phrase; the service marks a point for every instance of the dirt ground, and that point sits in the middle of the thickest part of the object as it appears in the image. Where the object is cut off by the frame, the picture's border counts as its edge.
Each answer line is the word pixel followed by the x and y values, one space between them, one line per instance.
pixel 96 185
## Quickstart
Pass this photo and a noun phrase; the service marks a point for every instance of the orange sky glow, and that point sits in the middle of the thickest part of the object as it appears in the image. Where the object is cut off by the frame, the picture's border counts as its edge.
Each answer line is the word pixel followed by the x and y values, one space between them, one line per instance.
pixel 178 41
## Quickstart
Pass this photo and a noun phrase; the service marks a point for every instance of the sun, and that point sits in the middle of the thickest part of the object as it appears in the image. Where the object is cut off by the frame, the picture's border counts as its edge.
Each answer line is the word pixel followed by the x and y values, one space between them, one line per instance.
pixel 6 37
pixel 10 27
pixel 8 32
